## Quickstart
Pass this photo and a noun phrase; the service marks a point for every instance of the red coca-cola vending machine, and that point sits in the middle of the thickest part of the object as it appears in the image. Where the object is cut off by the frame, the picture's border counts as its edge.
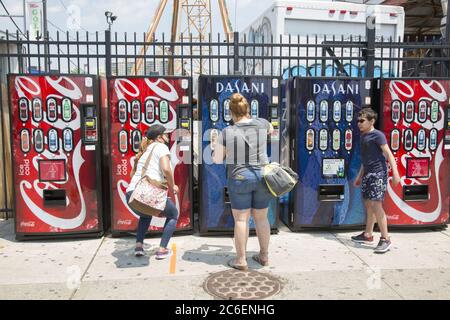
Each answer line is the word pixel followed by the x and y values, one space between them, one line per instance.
pixel 135 104
pixel 55 138
pixel 415 117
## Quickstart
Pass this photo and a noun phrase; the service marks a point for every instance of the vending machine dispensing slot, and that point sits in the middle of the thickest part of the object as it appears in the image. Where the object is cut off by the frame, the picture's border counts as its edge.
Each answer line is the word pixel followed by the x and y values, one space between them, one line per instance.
pixel 54 198
pixel 89 124
pixel 331 192
pixel 416 193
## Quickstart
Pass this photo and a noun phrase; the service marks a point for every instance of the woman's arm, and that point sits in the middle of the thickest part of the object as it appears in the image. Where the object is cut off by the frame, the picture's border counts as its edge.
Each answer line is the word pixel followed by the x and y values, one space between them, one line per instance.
pixel 164 163
pixel 390 157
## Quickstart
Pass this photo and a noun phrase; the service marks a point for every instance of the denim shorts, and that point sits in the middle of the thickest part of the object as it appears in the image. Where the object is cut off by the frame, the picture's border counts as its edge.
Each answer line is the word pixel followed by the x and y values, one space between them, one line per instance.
pixel 248 190
pixel 373 186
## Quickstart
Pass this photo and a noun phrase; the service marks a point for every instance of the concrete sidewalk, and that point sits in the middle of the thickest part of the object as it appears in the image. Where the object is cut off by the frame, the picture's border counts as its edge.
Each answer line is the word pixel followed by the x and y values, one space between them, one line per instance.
pixel 313 265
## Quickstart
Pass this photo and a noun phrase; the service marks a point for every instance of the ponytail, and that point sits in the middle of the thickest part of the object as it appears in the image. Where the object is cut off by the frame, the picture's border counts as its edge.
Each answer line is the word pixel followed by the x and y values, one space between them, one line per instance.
pixel 143 147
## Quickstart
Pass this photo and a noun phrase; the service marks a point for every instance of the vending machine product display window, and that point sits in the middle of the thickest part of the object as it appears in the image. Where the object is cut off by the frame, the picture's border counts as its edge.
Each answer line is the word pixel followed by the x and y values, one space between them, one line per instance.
pixel 417 168
pixel 52 170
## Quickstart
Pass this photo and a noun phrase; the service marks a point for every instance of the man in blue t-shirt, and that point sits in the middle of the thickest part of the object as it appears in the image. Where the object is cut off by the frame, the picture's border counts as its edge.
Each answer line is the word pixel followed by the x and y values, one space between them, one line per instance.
pixel 373 177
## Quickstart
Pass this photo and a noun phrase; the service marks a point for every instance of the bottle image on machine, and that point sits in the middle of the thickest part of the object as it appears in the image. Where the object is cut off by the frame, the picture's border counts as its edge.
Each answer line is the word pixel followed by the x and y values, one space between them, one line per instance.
pixel 336 139
pixel 254 109
pixel 164 111
pixel 214 110
pixel 25 141
pixel 226 110
pixel 52 140
pixel 434 111
pixel 136 111
pixel 310 111
pixel 323 111
pixel 150 111
pixel 409 111
pixel 349 111
pixel 39 140
pixel 123 141
pixel 422 111
pixel 337 108
pixel 52 111
pixel 67 140
pixel 348 139
pixel 136 140
pixel 37 109
pixel 396 111
pixel 395 140
pixel 213 137
pixel 421 140
pixel 310 139
pixel 409 140
pixel 123 111
pixel 23 109
pixel 323 139
pixel 66 109
pixel 433 139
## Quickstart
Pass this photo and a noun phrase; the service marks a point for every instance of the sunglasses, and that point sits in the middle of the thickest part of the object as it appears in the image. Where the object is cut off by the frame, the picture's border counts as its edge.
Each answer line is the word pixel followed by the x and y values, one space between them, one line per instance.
pixel 361 120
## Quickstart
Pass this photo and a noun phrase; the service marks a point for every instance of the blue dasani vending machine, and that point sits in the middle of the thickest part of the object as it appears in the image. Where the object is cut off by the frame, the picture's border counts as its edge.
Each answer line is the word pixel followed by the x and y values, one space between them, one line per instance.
pixel 263 96
pixel 321 142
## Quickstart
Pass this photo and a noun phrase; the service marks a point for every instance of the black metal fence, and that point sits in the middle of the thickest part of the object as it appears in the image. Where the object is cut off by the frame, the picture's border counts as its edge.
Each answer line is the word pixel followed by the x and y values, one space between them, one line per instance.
pixel 117 54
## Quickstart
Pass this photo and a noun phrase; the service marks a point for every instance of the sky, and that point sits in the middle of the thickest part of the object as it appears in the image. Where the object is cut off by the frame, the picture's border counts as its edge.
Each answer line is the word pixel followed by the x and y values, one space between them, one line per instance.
pixel 133 16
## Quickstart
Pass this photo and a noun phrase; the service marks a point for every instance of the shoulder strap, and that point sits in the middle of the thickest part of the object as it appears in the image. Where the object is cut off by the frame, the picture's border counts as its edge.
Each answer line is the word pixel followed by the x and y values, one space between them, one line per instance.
pixel 148 160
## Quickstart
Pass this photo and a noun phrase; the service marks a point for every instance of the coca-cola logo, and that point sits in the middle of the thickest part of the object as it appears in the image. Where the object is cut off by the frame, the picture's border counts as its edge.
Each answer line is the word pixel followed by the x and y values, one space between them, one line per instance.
pixel 28 224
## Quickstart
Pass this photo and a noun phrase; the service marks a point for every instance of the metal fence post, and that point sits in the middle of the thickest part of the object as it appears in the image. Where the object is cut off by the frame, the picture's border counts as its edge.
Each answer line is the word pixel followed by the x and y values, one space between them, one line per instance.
pixel 236 52
pixel 370 49
pixel 108 53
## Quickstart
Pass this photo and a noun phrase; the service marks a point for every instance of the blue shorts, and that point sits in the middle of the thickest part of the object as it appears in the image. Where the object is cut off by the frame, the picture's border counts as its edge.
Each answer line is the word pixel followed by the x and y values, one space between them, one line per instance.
pixel 373 186
pixel 248 190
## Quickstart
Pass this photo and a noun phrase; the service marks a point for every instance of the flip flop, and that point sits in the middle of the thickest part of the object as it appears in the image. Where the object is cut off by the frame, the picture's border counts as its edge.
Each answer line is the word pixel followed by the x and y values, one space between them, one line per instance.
pixel 258 259
pixel 232 264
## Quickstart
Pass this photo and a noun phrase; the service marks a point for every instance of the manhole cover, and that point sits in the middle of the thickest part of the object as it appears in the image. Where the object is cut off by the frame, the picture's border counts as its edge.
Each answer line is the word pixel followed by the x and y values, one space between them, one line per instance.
pixel 242 285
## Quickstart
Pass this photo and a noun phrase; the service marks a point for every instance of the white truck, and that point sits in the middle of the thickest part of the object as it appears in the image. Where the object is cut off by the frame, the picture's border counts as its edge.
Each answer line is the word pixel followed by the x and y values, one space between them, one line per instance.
pixel 301 22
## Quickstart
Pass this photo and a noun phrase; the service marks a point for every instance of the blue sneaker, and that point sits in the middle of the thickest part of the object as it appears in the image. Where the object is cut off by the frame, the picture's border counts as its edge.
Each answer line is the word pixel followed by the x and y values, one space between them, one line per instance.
pixel 160 255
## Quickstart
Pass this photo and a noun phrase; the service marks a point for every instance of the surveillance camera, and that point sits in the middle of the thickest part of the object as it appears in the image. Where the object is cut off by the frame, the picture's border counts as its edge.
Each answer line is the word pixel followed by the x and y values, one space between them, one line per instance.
pixel 113 18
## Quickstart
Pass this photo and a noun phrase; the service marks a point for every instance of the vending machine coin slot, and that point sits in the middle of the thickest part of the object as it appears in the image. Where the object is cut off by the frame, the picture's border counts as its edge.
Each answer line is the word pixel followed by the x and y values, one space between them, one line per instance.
pixel 184 117
pixel 163 111
pixel 25 141
pixel 331 192
pixel 52 110
pixel 416 193
pixel 68 140
pixel 54 198
pixel 434 113
pixel 323 112
pixel 89 124
pixel 136 111
pixel 52 138
pixel 123 141
pixel 254 109
pixel 311 111
pixel 37 110
pixel 123 111
pixel 38 138
pixel 337 110
pixel 150 111
pixel 214 110
pixel 423 107
pixel 23 109
pixel 66 106
pixel 226 111
pixel 409 111
pixel 396 110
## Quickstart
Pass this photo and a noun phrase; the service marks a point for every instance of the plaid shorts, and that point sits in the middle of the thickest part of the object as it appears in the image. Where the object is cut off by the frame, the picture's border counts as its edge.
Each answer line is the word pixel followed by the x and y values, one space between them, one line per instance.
pixel 373 186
